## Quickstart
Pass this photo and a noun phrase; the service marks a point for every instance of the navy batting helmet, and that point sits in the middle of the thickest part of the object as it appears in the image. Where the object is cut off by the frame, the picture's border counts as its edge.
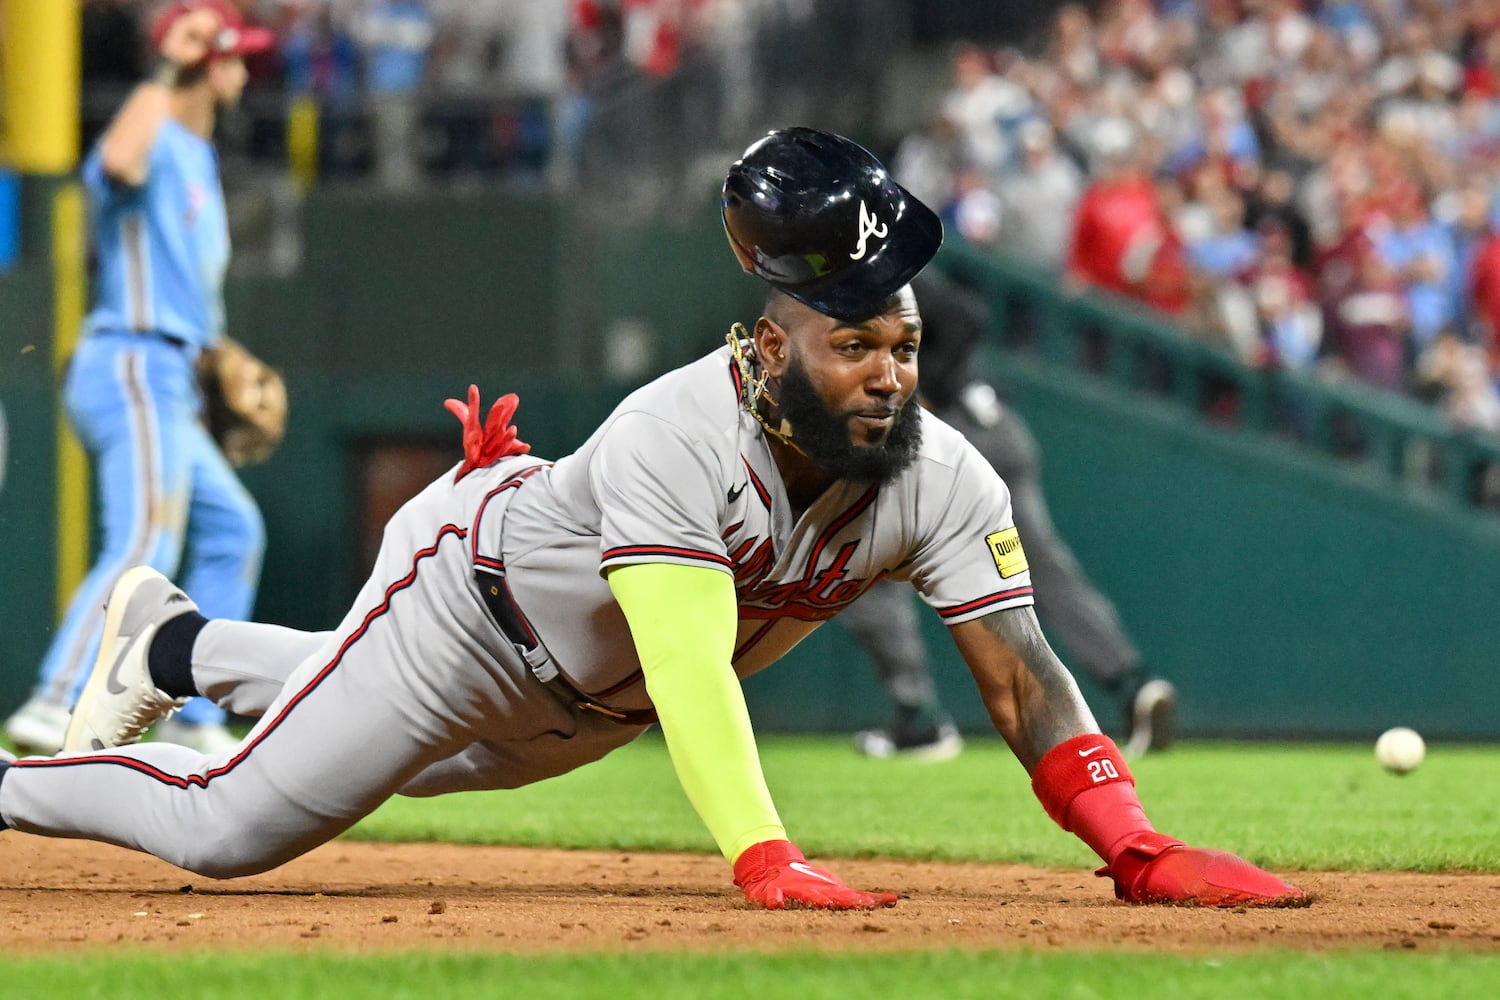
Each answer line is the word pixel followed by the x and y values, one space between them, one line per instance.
pixel 820 218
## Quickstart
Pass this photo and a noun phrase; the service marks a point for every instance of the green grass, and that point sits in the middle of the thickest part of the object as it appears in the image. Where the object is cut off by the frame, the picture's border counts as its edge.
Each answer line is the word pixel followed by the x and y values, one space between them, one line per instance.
pixel 1287 806
pixel 1291 807
pixel 951 976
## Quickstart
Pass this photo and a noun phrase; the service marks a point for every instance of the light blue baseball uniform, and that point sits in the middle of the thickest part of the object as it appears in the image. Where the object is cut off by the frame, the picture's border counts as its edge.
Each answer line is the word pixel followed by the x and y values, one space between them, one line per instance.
pixel 167 496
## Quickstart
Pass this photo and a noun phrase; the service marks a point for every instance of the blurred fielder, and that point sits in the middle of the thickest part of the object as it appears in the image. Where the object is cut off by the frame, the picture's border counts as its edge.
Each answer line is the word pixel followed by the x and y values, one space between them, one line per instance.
pixel 169 497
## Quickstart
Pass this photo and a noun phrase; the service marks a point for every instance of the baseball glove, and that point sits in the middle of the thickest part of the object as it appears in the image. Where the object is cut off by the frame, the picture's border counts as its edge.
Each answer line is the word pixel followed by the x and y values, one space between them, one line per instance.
pixel 244 402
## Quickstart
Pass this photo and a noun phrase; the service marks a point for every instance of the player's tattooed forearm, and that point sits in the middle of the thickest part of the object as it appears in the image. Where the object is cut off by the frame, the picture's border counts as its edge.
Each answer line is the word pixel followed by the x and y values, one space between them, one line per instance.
pixel 1019 629
pixel 1056 710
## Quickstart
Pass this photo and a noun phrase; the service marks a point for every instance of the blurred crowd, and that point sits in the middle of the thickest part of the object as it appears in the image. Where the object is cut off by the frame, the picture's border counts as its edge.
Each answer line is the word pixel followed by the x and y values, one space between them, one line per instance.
pixel 1308 184
pixel 412 87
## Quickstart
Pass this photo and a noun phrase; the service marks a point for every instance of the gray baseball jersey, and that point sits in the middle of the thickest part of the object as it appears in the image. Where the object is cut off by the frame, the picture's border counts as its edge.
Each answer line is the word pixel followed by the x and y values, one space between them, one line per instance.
pixel 681 473
pixel 418 691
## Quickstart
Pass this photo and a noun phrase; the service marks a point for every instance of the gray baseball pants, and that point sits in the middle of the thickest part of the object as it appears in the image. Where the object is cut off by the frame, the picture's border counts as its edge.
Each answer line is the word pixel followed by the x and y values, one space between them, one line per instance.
pixel 415 692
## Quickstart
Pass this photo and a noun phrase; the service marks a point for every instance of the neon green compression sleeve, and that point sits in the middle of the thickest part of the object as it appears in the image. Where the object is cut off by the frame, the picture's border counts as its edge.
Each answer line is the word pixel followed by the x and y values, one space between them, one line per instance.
pixel 683 620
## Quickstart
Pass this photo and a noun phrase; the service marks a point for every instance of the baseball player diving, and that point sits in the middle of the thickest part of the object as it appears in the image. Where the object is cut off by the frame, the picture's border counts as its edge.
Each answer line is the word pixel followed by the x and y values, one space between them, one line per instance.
pixel 524 617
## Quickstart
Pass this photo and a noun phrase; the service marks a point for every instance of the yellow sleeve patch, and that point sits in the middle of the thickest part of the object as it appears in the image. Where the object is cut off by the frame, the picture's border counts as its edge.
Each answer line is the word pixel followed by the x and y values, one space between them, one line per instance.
pixel 1005 546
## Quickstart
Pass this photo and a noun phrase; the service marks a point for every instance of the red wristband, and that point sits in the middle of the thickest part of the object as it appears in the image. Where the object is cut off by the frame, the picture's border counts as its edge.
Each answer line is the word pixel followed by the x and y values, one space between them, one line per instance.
pixel 1086 788
pixel 1073 767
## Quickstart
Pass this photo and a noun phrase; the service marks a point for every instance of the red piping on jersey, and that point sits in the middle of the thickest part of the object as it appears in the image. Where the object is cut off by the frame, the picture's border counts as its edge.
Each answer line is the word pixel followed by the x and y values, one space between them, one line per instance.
pixel 769 617
pixel 839 525
pixel 797 611
pixel 202 780
pixel 509 484
pixel 984 602
pixel 752 562
pixel 760 487
pixel 796 599
pixel 666 550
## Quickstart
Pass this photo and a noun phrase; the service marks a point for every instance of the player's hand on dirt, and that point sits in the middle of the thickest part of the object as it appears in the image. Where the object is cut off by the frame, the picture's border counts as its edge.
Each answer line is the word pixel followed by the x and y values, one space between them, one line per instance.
pixel 495 439
pixel 190 38
pixel 774 874
pixel 1154 868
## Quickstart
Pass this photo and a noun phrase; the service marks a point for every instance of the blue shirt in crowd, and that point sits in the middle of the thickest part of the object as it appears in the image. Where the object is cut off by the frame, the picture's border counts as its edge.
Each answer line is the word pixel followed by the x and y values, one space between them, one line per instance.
pixel 396 35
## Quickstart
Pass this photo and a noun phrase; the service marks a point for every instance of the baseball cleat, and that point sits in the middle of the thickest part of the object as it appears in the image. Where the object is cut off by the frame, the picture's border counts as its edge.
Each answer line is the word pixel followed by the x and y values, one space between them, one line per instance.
pixel 942 744
pixel 119 701
pixel 1192 876
pixel 38 726
pixel 1153 716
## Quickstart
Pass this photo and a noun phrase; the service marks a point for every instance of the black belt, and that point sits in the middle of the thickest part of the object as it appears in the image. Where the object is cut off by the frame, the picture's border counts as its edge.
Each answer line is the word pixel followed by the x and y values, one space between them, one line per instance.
pixel 178 342
pixel 516 629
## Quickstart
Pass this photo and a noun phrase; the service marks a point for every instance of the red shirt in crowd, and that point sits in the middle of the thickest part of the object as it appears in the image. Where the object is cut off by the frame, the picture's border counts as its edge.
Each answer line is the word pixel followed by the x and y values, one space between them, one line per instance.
pixel 1123 243
pixel 1484 286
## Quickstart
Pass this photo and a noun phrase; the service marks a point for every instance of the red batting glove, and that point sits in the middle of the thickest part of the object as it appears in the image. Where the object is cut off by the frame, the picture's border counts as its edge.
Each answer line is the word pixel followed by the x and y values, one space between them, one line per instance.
pixel 774 874
pixel 1153 868
pixel 495 440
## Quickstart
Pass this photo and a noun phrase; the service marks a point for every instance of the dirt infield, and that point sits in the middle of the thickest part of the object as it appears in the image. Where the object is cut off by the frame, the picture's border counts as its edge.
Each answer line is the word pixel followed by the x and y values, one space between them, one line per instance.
pixel 63 895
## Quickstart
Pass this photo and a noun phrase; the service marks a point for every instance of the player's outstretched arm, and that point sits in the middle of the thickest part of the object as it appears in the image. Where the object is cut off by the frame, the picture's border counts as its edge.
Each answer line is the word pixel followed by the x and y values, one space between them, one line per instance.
pixel 125 146
pixel 1082 780
pixel 683 620
pixel 1030 696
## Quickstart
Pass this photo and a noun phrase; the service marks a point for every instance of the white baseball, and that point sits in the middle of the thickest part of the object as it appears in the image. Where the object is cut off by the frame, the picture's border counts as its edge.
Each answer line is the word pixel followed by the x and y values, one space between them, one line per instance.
pixel 1400 749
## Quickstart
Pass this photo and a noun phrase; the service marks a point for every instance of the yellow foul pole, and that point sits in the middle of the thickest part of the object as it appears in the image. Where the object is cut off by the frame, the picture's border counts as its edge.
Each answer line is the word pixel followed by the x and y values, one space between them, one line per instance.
pixel 41 40
pixel 69 295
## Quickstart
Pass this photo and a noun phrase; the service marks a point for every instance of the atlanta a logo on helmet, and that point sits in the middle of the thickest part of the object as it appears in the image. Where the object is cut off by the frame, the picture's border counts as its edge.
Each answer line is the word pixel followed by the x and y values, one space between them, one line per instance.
pixel 869 225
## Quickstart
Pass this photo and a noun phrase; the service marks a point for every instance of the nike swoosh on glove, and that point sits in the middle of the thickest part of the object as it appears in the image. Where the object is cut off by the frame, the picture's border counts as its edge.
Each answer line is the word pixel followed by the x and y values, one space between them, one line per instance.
pixel 774 874
pixel 496 439
pixel 1153 868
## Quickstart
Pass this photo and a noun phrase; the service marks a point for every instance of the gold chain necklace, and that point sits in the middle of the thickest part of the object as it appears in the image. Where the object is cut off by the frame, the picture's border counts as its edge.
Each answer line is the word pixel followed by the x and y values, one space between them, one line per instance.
pixel 754 390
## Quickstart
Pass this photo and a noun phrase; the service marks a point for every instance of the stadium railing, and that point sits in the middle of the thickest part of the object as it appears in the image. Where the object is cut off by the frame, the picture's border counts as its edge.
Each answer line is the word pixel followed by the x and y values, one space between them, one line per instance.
pixel 1402 439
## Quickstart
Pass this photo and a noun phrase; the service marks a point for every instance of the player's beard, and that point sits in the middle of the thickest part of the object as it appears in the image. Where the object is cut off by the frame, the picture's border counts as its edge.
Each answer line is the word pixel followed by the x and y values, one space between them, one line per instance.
pixel 824 435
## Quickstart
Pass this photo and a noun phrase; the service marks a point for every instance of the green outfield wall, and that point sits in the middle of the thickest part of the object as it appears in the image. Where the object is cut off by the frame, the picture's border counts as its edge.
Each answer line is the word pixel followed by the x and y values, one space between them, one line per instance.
pixel 1285 593
pixel 1282 593
pixel 28 518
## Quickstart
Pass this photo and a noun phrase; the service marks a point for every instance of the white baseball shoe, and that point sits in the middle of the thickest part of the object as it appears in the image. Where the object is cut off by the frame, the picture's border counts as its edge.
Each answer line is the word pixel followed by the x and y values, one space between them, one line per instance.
pixel 119 701
pixel 943 744
pixel 1153 718
pixel 38 726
